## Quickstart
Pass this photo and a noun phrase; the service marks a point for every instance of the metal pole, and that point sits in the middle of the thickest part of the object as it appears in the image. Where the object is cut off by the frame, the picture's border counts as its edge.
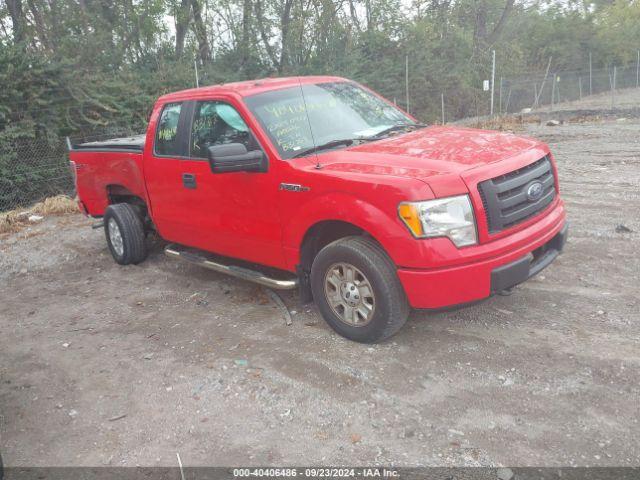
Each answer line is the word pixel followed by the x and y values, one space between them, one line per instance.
pixel 195 64
pixel 638 71
pixel 442 103
pixel 610 84
pixel 500 98
pixel 580 86
pixel 590 76
pixel 546 73
pixel 406 79
pixel 535 95
pixel 506 107
pixel 553 91
pixel 613 88
pixel 493 78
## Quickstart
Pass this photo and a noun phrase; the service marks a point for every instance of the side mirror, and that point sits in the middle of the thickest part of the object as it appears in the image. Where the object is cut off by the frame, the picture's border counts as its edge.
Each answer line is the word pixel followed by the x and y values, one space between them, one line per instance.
pixel 233 157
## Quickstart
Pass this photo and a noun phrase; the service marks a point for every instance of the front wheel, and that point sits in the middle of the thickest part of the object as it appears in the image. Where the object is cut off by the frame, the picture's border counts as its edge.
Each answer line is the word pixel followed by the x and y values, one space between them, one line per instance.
pixel 125 234
pixel 356 288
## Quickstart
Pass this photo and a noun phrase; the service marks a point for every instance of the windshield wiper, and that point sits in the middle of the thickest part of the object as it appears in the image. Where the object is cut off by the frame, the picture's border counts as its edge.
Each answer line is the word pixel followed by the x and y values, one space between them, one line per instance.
pixel 325 146
pixel 350 141
pixel 393 128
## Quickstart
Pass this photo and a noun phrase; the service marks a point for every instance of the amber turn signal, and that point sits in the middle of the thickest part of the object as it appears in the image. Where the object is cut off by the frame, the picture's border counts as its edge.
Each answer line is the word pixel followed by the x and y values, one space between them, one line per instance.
pixel 409 215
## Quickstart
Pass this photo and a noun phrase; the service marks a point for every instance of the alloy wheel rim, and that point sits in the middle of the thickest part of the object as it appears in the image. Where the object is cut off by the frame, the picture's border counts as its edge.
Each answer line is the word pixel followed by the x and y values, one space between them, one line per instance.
pixel 349 294
pixel 116 237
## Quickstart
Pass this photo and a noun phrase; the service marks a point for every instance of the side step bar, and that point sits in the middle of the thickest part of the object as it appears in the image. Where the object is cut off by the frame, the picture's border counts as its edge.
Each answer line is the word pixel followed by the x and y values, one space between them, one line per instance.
pixel 197 258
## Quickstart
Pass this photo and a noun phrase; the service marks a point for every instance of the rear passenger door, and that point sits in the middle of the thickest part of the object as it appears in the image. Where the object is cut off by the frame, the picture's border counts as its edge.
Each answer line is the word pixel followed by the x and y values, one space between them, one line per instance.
pixel 233 213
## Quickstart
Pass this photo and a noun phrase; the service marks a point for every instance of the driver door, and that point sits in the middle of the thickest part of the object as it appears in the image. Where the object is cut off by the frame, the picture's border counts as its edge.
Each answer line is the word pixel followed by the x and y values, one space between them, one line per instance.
pixel 234 213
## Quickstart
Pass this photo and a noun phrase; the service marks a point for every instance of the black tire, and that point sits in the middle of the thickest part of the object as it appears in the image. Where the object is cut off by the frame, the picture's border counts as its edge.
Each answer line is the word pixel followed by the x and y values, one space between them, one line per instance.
pixel 131 228
pixel 391 306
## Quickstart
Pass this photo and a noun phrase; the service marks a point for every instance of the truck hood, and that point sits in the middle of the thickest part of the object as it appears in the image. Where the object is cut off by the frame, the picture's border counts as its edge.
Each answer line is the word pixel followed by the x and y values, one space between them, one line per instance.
pixel 428 152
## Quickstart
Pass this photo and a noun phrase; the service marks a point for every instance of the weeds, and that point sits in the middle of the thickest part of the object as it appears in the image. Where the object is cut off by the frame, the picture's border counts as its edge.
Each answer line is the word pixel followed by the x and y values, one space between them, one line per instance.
pixel 15 220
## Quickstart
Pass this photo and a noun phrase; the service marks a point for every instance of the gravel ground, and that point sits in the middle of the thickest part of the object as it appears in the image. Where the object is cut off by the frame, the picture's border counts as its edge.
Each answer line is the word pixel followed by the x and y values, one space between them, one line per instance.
pixel 109 365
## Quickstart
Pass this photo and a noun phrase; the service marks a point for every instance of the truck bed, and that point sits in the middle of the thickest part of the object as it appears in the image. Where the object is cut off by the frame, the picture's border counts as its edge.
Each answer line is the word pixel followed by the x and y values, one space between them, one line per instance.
pixel 132 143
pixel 108 167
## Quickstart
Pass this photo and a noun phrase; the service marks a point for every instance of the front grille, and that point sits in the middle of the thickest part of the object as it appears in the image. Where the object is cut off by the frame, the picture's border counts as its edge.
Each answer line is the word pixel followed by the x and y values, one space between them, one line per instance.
pixel 508 199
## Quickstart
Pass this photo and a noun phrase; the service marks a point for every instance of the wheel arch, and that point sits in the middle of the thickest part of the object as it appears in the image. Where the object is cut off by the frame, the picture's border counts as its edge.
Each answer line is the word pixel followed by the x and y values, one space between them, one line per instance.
pixel 117 193
pixel 321 234
pixel 329 218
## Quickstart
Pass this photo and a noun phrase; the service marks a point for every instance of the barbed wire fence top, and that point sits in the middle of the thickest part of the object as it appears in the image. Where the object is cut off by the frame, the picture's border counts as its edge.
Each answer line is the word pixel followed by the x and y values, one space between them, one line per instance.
pixel 35 167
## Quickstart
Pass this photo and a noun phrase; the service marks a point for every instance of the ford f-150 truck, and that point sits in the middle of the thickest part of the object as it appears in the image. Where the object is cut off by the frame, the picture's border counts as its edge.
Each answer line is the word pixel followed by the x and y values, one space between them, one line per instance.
pixel 320 184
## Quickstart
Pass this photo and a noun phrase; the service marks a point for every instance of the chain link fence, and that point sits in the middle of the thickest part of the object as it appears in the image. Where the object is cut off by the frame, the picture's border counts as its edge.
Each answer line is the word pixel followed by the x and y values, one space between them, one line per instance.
pixel 561 90
pixel 32 169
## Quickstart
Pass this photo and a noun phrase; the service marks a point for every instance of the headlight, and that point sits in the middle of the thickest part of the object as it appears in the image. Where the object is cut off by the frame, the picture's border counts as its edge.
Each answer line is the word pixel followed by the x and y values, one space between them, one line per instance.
pixel 445 217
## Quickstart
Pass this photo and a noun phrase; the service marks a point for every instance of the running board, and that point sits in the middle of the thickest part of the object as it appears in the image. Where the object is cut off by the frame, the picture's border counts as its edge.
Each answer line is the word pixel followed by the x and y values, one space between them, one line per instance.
pixel 205 260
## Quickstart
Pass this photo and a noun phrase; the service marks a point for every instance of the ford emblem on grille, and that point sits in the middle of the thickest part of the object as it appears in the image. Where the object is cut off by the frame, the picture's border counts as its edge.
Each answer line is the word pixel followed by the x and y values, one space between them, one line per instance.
pixel 535 191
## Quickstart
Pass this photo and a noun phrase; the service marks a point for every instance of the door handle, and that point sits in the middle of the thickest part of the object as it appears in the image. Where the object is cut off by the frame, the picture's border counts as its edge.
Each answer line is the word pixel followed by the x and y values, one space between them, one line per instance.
pixel 189 180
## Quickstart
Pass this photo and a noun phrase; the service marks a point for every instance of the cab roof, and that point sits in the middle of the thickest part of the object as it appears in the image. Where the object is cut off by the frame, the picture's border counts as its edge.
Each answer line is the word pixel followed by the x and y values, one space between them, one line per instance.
pixel 249 87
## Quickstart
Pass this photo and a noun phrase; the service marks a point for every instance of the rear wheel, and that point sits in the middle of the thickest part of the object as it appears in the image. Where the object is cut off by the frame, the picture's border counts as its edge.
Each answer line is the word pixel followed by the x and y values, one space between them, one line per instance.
pixel 125 234
pixel 356 288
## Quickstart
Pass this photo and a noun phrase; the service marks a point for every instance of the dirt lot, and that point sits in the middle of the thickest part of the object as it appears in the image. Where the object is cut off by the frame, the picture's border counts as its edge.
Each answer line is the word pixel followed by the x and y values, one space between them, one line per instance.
pixel 105 365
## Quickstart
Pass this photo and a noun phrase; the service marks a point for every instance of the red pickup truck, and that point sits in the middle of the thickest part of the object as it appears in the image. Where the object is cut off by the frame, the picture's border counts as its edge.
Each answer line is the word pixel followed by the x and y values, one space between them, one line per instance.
pixel 320 184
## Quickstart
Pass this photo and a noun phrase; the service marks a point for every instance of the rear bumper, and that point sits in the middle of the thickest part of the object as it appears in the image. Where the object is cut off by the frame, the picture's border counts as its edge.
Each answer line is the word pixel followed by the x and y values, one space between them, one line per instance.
pixel 446 287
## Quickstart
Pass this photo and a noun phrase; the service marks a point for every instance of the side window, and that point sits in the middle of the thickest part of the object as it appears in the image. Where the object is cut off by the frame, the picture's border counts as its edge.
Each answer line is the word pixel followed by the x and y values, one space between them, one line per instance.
pixel 217 123
pixel 167 132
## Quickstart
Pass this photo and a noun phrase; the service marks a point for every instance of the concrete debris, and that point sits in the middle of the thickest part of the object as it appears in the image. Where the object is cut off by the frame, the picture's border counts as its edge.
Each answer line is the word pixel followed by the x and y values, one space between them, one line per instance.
pixel 504 474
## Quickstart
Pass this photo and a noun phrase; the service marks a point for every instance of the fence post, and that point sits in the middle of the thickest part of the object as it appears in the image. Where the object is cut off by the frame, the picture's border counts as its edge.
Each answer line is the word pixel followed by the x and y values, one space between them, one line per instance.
pixel 442 104
pixel 613 88
pixel 500 98
pixel 406 79
pixel 535 95
pixel 638 71
pixel 590 76
pixel 553 90
pixel 493 78
pixel 543 80
pixel 580 86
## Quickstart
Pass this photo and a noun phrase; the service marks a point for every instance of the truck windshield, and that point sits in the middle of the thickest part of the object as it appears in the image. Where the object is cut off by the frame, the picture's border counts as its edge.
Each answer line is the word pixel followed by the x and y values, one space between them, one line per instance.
pixel 337 111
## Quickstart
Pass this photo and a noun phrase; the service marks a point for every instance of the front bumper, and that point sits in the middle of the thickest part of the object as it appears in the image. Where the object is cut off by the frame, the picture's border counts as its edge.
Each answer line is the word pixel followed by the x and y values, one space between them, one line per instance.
pixel 446 287
pixel 511 274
